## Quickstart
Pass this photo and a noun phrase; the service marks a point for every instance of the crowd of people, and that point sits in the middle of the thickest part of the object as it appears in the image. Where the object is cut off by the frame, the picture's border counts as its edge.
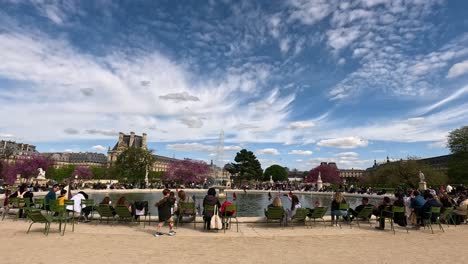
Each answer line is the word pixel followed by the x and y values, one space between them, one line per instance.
pixel 417 205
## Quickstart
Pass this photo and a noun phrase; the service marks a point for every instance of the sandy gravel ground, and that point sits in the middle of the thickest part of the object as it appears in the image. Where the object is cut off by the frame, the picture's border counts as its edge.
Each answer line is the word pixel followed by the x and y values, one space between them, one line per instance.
pixel 254 243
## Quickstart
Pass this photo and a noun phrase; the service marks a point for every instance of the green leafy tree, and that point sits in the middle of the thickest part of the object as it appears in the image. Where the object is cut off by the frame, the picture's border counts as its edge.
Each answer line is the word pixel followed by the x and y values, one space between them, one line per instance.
pixel 247 166
pixel 100 173
pixel 132 164
pixel 60 174
pixel 404 172
pixel 277 172
pixel 457 141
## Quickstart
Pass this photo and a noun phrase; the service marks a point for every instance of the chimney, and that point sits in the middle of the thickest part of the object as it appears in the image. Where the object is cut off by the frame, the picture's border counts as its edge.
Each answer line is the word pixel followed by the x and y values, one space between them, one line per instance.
pixel 132 139
pixel 143 141
pixel 121 135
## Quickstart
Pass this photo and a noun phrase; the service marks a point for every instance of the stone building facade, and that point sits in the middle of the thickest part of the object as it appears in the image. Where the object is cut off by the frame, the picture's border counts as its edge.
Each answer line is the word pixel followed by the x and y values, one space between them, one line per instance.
pixel 11 149
pixel 76 158
pixel 124 142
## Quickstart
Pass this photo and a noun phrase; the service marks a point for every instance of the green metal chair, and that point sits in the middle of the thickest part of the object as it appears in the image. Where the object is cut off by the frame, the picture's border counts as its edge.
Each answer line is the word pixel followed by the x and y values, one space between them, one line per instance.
pixel 39 203
pixel 318 213
pixel 58 214
pixel 447 216
pixel 396 210
pixel 209 208
pixel 86 203
pixel 275 214
pixel 105 211
pixel 299 217
pixel 187 210
pixel 344 217
pixel 37 217
pixel 227 218
pixel 123 213
pixel 70 217
pixel 365 215
pixel 427 219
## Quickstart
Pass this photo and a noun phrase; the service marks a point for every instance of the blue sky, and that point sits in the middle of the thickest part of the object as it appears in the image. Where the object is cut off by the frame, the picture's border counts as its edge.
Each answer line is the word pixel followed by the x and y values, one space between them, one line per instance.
pixel 295 81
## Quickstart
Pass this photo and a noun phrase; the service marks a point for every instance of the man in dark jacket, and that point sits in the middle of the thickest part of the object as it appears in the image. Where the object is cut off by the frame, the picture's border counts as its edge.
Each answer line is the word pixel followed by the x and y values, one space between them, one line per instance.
pixel 426 209
pixel 51 195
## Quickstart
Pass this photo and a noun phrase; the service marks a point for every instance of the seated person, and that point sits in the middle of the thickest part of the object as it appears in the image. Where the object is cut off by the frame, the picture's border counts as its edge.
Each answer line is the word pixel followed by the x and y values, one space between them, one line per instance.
pixel 107 201
pixel 61 199
pixel 311 210
pixel 400 218
pixel 335 207
pixel 123 202
pixel 275 203
pixel 461 210
pixel 358 209
pixel 184 198
pixel 426 209
pixel 382 212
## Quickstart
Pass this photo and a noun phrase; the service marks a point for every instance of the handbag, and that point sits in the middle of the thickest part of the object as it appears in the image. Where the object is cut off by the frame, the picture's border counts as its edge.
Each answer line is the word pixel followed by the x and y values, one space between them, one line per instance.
pixel 216 222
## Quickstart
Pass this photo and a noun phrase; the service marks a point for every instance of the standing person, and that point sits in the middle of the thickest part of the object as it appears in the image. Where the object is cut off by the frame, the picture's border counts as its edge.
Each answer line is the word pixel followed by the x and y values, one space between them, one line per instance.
pixel 51 195
pixel 164 213
pixel 295 204
pixel 210 199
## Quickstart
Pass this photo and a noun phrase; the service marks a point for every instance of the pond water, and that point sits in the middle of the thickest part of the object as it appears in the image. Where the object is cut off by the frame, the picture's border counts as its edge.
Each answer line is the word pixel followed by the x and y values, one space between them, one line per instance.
pixel 249 204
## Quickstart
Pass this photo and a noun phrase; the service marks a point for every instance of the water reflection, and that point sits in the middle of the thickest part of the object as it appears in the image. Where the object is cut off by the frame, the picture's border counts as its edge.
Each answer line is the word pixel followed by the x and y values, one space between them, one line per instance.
pixel 249 204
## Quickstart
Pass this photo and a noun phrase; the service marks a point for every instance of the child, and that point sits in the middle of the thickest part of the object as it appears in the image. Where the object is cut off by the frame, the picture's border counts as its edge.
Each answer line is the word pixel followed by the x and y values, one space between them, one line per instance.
pixel 61 199
pixel 164 212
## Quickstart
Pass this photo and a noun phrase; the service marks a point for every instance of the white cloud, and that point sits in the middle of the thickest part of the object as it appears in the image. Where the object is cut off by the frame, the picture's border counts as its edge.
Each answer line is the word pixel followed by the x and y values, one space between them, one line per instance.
pixel 267 151
pixel 342 37
pixel 228 101
pixel 301 125
pixel 347 155
pixel 344 143
pixel 438 144
pixel 200 147
pixel 7 136
pixel 458 69
pixel 300 152
pixel 179 97
pixel 310 12
pixel 99 148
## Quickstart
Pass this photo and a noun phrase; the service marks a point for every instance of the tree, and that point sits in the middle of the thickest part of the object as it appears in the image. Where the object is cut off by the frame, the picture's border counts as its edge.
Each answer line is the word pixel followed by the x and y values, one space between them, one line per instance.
pixel 404 172
pixel 328 174
pixel 187 171
pixel 100 173
pixel 457 140
pixel 277 172
pixel 27 167
pixel 133 163
pixel 247 167
pixel 82 173
pixel 60 174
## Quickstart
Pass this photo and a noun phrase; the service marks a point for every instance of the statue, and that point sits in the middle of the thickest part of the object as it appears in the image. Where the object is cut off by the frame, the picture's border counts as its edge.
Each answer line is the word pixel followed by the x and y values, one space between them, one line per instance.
pixel 421 177
pixel 319 178
pixel 41 174
pixel 271 179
